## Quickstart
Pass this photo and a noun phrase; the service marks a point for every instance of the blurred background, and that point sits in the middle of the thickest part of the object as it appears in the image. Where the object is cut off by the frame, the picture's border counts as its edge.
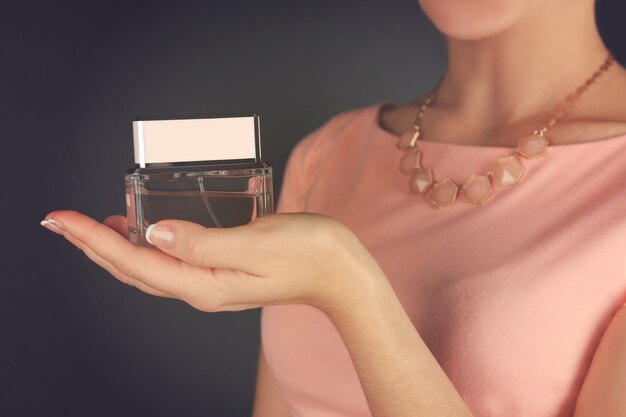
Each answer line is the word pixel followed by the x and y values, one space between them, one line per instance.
pixel 73 75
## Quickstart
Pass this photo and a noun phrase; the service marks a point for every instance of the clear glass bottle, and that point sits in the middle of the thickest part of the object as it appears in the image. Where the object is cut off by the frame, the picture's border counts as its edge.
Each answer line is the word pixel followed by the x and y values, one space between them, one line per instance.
pixel 208 171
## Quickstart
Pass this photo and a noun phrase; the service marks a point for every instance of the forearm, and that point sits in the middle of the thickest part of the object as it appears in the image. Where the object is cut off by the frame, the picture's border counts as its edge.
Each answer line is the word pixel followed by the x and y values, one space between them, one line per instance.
pixel 398 373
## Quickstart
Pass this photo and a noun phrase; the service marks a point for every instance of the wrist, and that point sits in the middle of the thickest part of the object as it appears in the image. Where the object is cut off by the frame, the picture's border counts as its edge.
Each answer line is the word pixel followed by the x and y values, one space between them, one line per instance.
pixel 348 279
pixel 355 295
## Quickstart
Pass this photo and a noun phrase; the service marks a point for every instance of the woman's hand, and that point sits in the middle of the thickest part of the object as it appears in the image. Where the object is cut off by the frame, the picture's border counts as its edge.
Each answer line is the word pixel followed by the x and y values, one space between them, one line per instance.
pixel 283 258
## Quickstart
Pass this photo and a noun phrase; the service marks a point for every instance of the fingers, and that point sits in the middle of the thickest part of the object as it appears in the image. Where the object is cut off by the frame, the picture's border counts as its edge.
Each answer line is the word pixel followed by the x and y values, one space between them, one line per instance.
pixel 240 247
pixel 113 271
pixel 146 265
pixel 117 223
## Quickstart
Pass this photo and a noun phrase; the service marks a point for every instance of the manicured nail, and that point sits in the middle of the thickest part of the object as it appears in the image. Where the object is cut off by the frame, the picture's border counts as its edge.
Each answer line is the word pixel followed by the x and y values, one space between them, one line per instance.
pixel 160 235
pixel 53 225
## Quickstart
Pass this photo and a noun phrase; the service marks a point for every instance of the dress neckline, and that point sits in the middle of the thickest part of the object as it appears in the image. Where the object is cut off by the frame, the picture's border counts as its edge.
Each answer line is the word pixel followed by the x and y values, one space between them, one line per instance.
pixel 619 138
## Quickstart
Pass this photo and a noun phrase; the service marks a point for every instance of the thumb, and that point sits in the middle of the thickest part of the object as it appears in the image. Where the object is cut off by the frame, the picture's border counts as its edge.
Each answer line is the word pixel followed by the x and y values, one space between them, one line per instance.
pixel 231 247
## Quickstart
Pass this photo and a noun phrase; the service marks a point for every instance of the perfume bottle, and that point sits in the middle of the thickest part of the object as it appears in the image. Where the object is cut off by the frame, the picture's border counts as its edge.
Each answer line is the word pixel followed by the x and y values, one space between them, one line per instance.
pixel 205 170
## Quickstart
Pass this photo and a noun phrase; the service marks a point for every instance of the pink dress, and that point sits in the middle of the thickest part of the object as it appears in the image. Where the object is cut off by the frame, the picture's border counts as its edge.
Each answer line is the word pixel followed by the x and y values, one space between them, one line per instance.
pixel 511 297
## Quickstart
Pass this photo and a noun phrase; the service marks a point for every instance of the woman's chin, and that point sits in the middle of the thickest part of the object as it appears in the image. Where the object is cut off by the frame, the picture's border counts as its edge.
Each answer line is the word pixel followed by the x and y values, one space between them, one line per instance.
pixel 473 20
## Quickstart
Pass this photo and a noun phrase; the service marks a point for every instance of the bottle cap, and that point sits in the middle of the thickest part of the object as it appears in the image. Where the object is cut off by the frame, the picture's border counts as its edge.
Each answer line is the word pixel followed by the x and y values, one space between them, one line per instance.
pixel 215 139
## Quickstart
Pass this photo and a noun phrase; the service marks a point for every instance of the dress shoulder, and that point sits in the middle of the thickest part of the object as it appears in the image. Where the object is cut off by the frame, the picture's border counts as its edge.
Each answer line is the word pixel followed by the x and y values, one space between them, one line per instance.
pixel 308 152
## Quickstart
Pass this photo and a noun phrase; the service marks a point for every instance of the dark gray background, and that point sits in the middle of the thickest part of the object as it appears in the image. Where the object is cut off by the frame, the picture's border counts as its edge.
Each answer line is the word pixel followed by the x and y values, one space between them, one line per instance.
pixel 75 342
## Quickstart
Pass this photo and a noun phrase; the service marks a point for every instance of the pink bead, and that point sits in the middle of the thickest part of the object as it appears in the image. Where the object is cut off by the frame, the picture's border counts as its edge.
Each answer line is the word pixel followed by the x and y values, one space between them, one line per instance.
pixel 532 146
pixel 421 180
pixel 406 138
pixel 508 170
pixel 409 161
pixel 477 189
pixel 444 193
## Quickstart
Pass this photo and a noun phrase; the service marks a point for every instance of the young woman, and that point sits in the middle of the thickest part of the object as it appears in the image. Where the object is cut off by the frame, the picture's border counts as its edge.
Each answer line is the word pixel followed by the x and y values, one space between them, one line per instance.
pixel 461 255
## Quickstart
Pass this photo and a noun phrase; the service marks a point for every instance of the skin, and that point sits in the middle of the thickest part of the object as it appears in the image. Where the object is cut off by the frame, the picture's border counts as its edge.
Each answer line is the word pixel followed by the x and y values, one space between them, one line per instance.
pixel 322 264
pixel 506 75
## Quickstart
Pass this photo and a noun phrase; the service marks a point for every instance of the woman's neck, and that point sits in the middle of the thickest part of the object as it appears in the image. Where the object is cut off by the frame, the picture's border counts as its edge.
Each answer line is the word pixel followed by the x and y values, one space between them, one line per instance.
pixel 527 69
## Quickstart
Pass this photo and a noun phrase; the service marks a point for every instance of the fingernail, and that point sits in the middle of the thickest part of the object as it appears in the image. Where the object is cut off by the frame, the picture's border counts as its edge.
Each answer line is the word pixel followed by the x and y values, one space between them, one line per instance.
pixel 160 235
pixel 53 225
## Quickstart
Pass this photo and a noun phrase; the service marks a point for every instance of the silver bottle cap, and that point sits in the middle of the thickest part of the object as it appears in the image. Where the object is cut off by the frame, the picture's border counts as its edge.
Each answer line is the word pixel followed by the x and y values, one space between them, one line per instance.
pixel 192 140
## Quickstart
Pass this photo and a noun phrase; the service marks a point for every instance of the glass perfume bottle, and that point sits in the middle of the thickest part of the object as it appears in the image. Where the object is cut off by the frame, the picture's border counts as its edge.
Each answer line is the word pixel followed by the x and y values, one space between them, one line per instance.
pixel 206 170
